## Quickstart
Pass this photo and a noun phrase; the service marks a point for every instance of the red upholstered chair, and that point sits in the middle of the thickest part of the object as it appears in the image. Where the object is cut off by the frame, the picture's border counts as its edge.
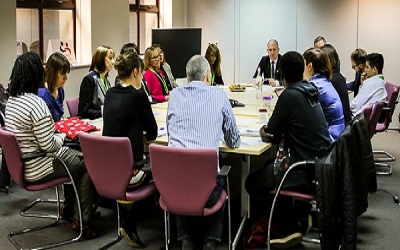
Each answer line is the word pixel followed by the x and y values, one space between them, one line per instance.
pixel 185 179
pixel 72 105
pixel 371 114
pixel 15 162
pixel 380 156
pixel 109 162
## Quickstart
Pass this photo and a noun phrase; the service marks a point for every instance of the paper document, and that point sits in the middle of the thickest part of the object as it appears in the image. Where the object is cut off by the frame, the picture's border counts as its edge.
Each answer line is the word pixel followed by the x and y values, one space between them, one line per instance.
pixel 161 131
pixel 249 132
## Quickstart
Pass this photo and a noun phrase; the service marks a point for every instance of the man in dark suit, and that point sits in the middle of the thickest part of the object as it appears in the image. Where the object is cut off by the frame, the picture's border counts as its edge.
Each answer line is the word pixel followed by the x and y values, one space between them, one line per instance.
pixel 269 65
pixel 358 64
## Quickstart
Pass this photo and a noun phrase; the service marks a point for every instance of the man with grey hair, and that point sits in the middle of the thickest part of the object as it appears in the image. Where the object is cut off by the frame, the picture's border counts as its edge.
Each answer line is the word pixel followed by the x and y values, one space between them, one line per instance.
pixel 269 65
pixel 199 116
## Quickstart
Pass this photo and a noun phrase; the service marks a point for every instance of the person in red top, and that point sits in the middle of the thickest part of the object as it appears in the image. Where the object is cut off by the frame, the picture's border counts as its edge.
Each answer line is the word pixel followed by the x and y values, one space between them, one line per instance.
pixel 155 78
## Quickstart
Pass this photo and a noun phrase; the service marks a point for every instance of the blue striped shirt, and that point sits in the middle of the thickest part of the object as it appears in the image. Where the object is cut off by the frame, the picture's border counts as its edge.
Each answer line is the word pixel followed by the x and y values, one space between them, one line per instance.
pixel 200 116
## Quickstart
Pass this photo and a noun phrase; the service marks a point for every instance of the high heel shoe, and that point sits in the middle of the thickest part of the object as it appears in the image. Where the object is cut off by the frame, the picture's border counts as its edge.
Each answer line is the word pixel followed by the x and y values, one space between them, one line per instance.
pixel 131 237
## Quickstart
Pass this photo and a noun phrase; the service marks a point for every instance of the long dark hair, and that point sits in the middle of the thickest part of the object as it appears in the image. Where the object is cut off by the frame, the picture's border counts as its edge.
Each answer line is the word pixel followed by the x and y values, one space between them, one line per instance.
pixel 27 74
pixel 57 63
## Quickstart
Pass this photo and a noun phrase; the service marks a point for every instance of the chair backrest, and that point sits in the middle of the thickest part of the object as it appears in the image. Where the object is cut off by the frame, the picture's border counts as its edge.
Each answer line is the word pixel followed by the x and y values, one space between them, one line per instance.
pixel 72 105
pixel 184 177
pixel 367 111
pixel 392 90
pixel 13 156
pixel 109 162
pixel 371 116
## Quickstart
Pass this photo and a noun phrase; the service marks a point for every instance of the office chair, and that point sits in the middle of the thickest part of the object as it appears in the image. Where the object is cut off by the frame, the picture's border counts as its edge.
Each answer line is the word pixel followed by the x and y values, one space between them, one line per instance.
pixel 72 105
pixel 186 178
pixel 295 196
pixel 109 162
pixel 371 114
pixel 392 90
pixel 344 175
pixel 16 163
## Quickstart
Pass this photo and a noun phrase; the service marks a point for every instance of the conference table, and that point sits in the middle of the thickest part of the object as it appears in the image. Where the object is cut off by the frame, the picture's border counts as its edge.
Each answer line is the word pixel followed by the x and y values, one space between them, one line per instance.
pixel 248 122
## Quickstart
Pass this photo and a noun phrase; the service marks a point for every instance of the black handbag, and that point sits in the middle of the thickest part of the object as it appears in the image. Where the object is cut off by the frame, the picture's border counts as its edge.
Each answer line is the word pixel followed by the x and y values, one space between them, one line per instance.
pixel 281 163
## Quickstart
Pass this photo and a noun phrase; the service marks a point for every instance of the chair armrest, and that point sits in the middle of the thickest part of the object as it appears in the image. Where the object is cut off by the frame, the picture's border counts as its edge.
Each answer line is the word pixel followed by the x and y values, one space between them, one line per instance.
pixel 224 171
pixel 30 156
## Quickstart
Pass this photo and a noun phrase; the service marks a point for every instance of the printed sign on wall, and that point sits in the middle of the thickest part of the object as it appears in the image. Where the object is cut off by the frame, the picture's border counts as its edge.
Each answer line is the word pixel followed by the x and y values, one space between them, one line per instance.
pixel 66 47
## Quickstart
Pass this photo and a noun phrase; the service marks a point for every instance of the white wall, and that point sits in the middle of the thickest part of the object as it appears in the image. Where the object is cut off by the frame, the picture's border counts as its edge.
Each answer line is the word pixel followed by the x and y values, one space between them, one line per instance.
pixel 217 27
pixel 7 39
pixel 256 30
pixel 179 17
pixel 242 29
pixel 379 31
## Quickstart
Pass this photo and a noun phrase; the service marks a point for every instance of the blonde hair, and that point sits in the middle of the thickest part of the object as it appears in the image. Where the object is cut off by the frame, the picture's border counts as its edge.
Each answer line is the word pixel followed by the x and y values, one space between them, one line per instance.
pixel 147 56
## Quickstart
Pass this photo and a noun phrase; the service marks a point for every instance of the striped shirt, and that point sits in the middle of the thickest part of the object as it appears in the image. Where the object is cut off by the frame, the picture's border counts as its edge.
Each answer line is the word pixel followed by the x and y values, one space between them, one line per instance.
pixel 200 116
pixel 28 117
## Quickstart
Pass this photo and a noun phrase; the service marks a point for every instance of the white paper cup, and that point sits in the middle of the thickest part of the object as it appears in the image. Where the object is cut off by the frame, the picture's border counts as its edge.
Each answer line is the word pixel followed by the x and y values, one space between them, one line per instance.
pixel 263 117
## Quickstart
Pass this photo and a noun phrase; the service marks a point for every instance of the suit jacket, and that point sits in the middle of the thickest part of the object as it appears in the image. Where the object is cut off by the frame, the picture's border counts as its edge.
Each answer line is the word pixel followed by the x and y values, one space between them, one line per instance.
pixel 265 66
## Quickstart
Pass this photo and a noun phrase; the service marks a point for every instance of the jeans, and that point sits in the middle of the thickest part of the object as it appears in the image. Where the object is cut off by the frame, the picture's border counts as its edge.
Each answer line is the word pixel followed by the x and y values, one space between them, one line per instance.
pixel 213 223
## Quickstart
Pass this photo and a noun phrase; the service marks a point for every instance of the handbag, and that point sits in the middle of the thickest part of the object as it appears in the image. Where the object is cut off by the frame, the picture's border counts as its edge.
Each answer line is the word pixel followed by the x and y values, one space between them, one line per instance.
pixel 281 162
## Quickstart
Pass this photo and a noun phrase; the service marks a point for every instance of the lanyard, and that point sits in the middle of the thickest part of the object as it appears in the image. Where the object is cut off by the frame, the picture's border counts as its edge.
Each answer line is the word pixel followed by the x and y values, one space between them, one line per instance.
pixel 212 79
pixel 105 83
pixel 163 83
pixel 144 88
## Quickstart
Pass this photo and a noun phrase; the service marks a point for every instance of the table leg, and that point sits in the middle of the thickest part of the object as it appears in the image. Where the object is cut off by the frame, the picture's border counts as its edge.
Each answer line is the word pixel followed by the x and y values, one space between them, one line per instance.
pixel 245 199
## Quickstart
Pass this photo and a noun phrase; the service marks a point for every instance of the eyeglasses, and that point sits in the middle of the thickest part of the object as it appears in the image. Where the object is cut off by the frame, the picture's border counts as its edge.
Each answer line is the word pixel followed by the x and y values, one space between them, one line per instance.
pixel 155 58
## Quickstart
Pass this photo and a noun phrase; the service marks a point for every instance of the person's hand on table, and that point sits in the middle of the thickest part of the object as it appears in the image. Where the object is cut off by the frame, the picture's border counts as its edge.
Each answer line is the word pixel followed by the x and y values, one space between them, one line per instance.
pixel 273 82
pixel 265 137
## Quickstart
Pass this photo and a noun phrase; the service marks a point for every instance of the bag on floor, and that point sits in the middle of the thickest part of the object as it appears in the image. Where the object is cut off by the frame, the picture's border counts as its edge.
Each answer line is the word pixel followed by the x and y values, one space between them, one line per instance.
pixel 257 235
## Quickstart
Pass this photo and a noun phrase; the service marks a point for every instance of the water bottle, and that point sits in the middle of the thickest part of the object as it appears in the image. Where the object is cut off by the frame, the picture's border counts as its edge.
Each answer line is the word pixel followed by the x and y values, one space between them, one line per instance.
pixel 259 81
pixel 267 99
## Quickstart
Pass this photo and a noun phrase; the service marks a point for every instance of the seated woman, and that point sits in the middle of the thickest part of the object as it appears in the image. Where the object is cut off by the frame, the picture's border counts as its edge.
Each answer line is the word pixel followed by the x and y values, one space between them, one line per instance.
pixel 299 118
pixel 127 113
pixel 338 81
pixel 154 76
pixel 213 57
pixel 131 47
pixel 57 67
pixel 165 67
pixel 318 70
pixel 28 117
pixel 95 84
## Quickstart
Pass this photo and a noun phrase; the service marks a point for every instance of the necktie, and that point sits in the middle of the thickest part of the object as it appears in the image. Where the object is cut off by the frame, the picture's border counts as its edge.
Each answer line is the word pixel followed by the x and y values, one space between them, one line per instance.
pixel 273 69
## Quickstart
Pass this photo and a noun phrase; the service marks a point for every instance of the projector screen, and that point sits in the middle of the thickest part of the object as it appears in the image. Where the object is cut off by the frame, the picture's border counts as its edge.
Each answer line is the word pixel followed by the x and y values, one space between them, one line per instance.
pixel 179 45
